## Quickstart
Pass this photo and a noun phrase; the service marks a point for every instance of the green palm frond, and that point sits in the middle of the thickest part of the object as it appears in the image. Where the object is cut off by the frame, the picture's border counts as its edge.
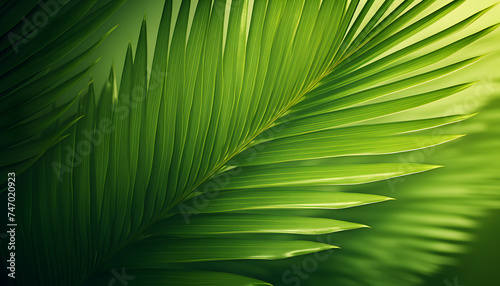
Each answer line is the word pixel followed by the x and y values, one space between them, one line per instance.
pixel 433 218
pixel 35 38
pixel 224 128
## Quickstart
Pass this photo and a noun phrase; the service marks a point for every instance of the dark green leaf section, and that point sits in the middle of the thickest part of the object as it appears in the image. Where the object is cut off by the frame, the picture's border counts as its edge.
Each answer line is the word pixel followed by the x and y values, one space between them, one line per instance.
pixel 33 67
pixel 34 147
pixel 138 277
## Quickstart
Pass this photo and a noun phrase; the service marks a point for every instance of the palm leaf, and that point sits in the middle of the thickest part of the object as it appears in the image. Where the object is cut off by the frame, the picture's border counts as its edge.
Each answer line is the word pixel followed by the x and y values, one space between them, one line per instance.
pixel 33 64
pixel 434 219
pixel 185 143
